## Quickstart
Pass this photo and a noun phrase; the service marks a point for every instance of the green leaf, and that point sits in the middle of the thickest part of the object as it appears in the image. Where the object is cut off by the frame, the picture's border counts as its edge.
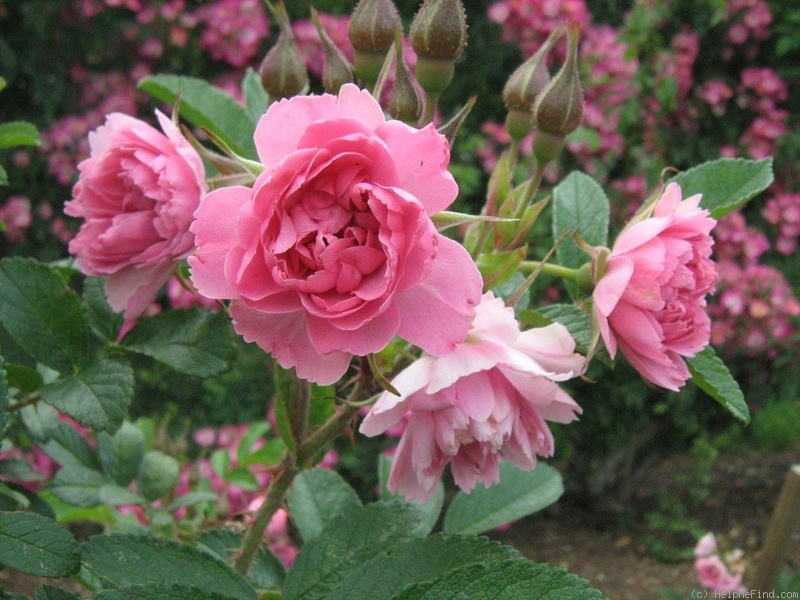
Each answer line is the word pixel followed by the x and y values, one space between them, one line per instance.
pixel 252 434
pixel 726 183
pixel 97 397
pixel 161 591
pixel 195 342
pixel 267 570
pixel 79 486
pixel 255 96
pixel 711 375
pixel 503 580
pixel 269 454
pixel 285 383
pixel 121 453
pixel 139 560
pixel 37 545
pixel 24 379
pixel 158 474
pixel 103 321
pixel 67 447
pixel 354 537
pixel 317 497
pixel 206 106
pixel 18 133
pixel 192 498
pixel 243 478
pixel 323 404
pixel 421 559
pixel 519 493
pixel 11 498
pixel 577 321
pixel 3 176
pixel 16 469
pixel 3 398
pixel 42 315
pixel 499 267
pixel 51 592
pixel 115 495
pixel 41 421
pixel 579 204
pixel 430 509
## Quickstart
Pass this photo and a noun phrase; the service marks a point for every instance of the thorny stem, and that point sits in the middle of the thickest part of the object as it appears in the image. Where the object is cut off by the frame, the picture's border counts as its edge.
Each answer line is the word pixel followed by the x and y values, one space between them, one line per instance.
pixel 291 465
pixel 276 492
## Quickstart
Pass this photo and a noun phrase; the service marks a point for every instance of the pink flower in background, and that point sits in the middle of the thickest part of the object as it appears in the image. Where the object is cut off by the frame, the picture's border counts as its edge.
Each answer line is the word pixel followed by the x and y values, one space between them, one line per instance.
pixel 650 302
pixel 332 252
pixel 137 193
pixel 706 545
pixel 15 214
pixel 233 30
pixel 488 399
pixel 713 573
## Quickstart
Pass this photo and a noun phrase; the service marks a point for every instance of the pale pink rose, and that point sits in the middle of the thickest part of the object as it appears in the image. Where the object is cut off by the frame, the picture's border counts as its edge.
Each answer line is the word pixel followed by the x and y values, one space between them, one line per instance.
pixel 486 400
pixel 137 193
pixel 650 302
pixel 713 573
pixel 706 545
pixel 333 252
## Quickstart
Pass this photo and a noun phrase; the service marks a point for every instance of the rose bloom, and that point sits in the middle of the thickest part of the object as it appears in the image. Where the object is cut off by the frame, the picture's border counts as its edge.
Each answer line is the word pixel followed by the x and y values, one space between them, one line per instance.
pixel 333 252
pixel 713 573
pixel 650 302
pixel 706 545
pixel 137 192
pixel 486 400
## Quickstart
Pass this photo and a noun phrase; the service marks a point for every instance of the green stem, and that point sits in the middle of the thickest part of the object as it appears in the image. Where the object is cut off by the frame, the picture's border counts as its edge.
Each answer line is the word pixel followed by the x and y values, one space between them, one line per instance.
pixel 431 102
pixel 325 434
pixel 282 481
pixel 528 266
pixel 302 402
pixel 530 190
pixel 27 400
pixel 513 154
pixel 276 492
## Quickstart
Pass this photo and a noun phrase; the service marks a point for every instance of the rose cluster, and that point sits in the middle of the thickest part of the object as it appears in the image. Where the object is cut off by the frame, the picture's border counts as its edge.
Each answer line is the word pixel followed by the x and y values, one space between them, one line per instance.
pixel 331 251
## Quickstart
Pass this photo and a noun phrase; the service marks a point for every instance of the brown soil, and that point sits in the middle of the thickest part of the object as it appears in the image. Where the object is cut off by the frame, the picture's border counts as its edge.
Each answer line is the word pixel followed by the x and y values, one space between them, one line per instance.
pixel 618 561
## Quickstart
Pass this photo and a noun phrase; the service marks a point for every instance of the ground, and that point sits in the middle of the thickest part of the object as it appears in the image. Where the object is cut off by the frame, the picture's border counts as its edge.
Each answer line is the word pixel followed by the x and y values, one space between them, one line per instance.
pixel 617 561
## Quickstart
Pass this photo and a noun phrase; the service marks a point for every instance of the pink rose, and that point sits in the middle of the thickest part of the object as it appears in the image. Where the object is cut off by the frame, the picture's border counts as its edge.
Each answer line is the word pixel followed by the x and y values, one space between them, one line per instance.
pixel 137 192
pixel 651 300
pixel 713 573
pixel 486 400
pixel 333 252
pixel 706 545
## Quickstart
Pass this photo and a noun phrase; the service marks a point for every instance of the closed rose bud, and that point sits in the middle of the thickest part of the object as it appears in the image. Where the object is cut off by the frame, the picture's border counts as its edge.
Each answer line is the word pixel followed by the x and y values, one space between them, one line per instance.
pixel 438 35
pixel 337 70
pixel 405 103
pixel 524 86
pixel 283 72
pixel 559 107
pixel 439 29
pixel 371 34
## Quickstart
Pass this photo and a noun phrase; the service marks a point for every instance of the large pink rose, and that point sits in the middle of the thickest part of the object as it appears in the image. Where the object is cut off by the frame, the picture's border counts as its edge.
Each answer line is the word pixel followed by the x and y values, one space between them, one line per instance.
pixel 137 191
pixel 650 302
pixel 333 252
pixel 486 400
